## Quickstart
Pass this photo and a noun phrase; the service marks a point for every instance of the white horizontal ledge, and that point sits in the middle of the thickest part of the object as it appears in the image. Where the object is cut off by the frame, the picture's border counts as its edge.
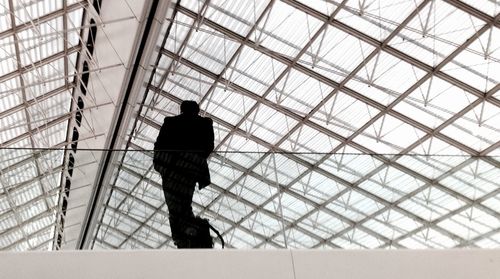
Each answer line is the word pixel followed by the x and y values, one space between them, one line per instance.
pixel 253 264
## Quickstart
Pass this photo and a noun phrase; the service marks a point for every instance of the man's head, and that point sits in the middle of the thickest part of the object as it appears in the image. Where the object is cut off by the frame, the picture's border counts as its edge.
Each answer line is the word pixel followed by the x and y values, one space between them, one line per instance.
pixel 190 108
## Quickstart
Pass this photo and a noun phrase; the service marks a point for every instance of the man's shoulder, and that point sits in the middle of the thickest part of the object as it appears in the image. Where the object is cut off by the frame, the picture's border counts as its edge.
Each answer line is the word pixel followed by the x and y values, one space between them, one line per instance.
pixel 207 120
pixel 179 118
pixel 170 118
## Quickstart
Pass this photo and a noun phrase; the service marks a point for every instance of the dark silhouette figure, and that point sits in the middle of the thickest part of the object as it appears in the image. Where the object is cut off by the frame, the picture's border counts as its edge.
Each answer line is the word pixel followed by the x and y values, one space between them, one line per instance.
pixel 181 151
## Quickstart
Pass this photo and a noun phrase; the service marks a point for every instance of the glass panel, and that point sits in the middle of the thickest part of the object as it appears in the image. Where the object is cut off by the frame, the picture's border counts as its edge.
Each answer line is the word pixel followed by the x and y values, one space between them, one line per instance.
pixel 235 15
pixel 376 18
pixel 479 64
pixel 436 32
pixel 388 135
pixel 344 114
pixel 29 11
pixel 335 54
pixel 4 15
pixel 490 7
pixel 384 78
pixel 41 41
pixel 287 30
pixel 254 71
pixel 477 128
pixel 434 102
pixel 298 92
pixel 210 50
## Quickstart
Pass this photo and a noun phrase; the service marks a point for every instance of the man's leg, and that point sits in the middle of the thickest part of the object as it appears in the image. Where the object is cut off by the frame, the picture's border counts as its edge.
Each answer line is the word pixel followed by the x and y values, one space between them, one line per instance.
pixel 178 191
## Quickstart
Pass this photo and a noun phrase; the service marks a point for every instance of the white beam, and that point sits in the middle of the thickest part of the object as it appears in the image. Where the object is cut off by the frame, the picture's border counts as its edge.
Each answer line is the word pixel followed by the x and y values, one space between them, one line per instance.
pixel 115 44
pixel 131 90
pixel 262 264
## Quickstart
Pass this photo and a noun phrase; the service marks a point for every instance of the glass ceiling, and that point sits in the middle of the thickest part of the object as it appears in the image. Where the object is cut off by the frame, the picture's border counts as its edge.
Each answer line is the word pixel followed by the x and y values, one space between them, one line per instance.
pixel 338 124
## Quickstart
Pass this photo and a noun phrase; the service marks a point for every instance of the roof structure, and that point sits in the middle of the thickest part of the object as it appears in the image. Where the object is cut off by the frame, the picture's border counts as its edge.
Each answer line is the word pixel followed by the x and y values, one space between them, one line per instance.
pixel 338 124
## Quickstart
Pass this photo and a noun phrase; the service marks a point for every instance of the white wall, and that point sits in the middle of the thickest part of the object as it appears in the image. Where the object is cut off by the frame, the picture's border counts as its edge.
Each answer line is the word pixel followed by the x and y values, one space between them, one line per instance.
pixel 253 264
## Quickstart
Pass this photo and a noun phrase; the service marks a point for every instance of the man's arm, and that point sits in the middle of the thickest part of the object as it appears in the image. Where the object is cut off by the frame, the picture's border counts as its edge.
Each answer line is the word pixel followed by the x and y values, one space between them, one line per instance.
pixel 160 140
pixel 159 157
pixel 210 137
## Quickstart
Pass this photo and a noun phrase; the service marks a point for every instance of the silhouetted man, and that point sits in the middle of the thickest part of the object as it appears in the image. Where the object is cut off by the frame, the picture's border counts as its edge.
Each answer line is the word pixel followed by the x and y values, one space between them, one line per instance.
pixel 181 152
